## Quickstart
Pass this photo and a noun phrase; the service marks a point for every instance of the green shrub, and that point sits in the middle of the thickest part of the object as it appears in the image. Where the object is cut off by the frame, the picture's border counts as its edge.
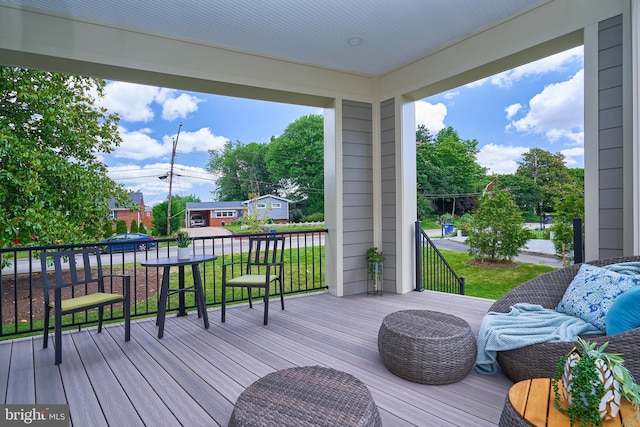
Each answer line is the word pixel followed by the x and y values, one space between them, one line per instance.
pixel 121 226
pixel 107 229
pixel 133 228
pixel 314 217
pixel 142 229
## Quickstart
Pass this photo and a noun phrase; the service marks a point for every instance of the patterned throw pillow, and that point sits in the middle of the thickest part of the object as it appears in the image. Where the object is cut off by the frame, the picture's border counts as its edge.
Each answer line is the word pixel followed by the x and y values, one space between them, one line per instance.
pixel 592 292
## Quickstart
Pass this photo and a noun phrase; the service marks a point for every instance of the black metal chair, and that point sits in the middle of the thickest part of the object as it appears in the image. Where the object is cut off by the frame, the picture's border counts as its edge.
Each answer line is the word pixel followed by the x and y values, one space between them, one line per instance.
pixel 85 289
pixel 264 265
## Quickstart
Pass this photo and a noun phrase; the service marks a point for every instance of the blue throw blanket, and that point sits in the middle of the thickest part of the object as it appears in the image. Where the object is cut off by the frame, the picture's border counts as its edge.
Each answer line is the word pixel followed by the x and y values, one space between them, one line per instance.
pixel 524 325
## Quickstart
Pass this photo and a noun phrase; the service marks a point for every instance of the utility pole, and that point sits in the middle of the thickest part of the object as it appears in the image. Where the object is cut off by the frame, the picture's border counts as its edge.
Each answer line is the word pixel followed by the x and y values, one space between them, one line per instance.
pixel 173 158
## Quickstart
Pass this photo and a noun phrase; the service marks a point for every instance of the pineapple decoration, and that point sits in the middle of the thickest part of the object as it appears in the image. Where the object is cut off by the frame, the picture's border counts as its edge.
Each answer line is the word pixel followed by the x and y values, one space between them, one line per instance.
pixel 594 382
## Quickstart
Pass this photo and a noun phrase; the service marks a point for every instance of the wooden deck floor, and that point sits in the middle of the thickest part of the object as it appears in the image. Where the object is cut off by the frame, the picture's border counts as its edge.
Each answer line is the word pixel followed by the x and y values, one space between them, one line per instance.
pixel 193 376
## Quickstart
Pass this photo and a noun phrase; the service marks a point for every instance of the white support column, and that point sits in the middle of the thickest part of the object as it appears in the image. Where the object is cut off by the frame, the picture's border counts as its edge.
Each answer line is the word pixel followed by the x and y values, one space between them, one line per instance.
pixel 591 138
pixel 333 199
pixel 406 211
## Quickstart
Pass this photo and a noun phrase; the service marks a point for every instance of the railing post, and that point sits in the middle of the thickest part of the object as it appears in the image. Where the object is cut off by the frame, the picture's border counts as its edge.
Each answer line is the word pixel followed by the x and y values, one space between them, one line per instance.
pixel 578 244
pixel 418 251
pixel 461 281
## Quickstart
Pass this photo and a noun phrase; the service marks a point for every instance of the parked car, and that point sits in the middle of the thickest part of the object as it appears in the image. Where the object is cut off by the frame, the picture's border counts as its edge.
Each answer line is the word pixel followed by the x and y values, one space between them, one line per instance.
pixel 128 242
pixel 197 221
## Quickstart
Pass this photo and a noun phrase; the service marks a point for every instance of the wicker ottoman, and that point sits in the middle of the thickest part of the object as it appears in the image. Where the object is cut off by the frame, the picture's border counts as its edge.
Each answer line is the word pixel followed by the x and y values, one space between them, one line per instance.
pixel 306 396
pixel 427 347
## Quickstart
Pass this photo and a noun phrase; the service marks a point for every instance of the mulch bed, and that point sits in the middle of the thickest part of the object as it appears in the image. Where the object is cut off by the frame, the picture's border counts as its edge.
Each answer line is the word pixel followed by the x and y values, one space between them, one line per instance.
pixel 488 263
pixel 32 292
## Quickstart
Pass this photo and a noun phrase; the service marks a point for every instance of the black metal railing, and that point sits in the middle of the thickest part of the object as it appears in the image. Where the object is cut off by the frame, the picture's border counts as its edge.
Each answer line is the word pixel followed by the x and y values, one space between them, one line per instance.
pixel 433 272
pixel 22 296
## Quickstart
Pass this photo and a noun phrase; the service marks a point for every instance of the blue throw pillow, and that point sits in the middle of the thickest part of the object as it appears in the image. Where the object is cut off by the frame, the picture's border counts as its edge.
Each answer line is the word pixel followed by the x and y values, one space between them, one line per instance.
pixel 624 314
pixel 592 293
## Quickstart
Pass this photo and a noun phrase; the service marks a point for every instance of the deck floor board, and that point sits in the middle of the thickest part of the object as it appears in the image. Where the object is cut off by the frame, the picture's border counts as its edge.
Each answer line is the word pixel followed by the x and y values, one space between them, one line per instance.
pixel 193 376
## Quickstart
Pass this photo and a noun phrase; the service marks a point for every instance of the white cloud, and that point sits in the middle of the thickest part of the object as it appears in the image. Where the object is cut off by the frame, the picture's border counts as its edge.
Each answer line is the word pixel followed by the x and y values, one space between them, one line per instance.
pixel 147 179
pixel 139 145
pixel 500 159
pixel 451 95
pixel 133 102
pixel 130 101
pixel 551 63
pixel 201 140
pixel 512 109
pixel 180 107
pixel 556 112
pixel 431 115
pixel 574 157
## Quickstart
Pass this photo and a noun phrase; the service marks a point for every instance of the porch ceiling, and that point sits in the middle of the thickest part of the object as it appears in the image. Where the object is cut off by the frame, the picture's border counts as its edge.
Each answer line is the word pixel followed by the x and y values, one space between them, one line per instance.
pixel 391 33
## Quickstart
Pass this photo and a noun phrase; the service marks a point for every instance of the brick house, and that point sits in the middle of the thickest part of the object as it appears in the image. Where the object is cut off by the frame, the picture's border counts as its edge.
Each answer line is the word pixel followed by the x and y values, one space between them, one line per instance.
pixel 142 214
pixel 218 214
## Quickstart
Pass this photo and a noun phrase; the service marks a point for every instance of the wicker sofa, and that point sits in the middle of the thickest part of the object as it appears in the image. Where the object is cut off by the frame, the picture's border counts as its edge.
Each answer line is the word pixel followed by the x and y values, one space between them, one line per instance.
pixel 540 360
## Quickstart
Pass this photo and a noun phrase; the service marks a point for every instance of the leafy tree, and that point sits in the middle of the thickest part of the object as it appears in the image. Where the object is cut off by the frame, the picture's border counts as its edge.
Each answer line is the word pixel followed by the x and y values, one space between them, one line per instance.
pixel 121 226
pixel 133 228
pixel 526 193
pixel 178 208
pixel 242 171
pixel 53 185
pixel 296 161
pixel 548 172
pixel 447 169
pixel 497 228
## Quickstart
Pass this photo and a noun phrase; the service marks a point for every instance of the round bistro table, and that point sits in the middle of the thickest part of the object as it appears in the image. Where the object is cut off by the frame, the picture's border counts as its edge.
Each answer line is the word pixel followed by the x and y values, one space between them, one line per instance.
pixel 427 347
pixel 306 396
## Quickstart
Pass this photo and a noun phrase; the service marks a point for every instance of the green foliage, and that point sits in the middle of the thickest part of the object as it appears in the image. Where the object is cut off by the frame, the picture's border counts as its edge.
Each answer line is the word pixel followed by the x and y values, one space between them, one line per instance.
pixel 133 228
pixel 53 185
pixel 497 229
pixel 548 172
pixel 296 162
pixel 183 239
pixel 526 193
pixel 587 388
pixel 254 219
pixel 569 204
pixel 178 206
pixel 447 166
pixel 242 171
pixel 375 255
pixel 142 229
pixel 314 217
pixel 121 226
pixel 107 229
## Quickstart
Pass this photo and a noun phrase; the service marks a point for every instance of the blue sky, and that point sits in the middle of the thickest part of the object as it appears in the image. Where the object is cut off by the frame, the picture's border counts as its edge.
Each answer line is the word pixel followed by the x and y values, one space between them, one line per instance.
pixel 537 105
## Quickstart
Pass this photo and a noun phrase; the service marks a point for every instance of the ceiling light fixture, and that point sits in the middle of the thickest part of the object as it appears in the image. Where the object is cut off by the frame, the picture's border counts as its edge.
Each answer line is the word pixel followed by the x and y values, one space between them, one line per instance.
pixel 354 41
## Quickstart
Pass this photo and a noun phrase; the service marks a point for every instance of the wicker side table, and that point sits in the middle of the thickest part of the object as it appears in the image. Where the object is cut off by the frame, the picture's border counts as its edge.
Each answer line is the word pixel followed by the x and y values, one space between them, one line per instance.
pixel 427 347
pixel 306 396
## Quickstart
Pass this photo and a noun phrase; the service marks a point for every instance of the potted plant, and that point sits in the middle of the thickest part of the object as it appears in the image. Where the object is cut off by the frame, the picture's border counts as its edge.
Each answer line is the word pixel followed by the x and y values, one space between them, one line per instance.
pixel 184 241
pixel 593 384
pixel 375 258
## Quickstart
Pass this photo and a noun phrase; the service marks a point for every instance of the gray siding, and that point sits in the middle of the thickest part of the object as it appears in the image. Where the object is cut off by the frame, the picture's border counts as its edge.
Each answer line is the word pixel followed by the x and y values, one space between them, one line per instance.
pixel 388 140
pixel 357 203
pixel 610 123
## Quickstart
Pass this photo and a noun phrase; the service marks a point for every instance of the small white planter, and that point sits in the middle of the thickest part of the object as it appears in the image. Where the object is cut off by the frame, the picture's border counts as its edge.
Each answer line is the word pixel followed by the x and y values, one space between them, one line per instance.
pixel 184 253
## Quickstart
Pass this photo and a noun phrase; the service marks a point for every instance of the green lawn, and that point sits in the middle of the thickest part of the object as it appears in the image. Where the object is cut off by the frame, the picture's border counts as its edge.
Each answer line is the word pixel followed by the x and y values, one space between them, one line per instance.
pixel 491 283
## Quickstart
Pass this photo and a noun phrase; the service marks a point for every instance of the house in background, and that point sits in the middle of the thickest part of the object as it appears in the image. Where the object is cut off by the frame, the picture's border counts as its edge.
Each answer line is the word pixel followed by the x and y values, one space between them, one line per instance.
pixel 275 207
pixel 218 214
pixel 141 214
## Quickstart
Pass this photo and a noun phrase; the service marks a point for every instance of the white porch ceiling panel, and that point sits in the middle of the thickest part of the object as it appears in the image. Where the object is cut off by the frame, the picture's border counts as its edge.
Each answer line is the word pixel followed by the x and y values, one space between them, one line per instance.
pixel 392 32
